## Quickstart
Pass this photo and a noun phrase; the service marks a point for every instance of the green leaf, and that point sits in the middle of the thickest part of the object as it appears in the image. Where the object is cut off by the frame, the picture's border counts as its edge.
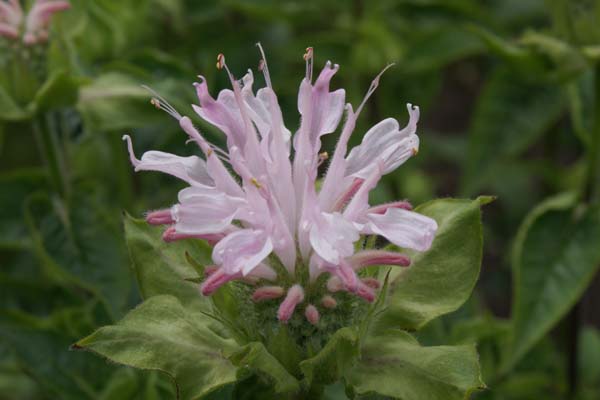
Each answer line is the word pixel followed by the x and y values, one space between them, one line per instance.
pixel 335 359
pixel 161 334
pixel 556 253
pixel 589 361
pixel 255 358
pixel 162 268
pixel 16 186
pixel 59 90
pixel 441 279
pixel 79 245
pixel 511 114
pixel 117 102
pixel 9 110
pixel 41 347
pixel 394 364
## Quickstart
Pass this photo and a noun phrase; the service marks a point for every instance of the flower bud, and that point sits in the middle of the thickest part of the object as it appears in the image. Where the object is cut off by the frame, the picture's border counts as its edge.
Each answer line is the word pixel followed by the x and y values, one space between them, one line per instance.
pixel 328 302
pixel 295 295
pixel 365 292
pixel 334 284
pixel 312 314
pixel 160 217
pixel 267 293
pixel 371 282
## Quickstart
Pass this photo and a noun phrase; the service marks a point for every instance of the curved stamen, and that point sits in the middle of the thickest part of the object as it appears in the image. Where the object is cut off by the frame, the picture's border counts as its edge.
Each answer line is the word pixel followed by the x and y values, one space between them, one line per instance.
pixel 372 88
pixel 308 57
pixel 263 66
pixel 159 102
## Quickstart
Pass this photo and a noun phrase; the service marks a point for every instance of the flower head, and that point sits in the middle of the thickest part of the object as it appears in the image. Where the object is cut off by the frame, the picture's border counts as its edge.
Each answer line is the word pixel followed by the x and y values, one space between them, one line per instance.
pixel 260 205
pixel 33 27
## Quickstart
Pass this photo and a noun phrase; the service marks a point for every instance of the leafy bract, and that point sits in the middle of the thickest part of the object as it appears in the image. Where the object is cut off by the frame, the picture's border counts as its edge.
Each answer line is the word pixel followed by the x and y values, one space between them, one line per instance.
pixel 441 279
pixel 161 334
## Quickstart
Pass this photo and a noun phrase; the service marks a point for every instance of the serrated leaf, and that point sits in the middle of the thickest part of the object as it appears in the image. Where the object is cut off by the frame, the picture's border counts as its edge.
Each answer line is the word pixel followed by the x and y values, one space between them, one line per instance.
pixel 161 334
pixel 556 254
pixel 395 364
pixel 441 279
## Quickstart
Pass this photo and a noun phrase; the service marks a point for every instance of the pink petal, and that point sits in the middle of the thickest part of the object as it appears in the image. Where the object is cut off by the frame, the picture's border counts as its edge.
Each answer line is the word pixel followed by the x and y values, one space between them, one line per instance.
pixel 367 258
pixel 404 228
pixel 190 169
pixel 385 141
pixel 242 251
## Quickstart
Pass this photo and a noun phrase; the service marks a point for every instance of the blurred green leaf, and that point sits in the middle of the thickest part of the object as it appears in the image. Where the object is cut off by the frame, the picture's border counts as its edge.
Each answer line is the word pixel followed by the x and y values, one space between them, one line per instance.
pixel 436 283
pixel 16 186
pixel 510 116
pixel 78 245
pixel 161 268
pixel 394 364
pixel 556 254
pixel 589 363
pixel 161 334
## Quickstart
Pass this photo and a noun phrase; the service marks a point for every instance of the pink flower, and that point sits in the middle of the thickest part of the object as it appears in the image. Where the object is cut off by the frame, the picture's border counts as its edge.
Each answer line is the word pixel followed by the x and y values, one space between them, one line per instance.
pixel 268 210
pixel 34 26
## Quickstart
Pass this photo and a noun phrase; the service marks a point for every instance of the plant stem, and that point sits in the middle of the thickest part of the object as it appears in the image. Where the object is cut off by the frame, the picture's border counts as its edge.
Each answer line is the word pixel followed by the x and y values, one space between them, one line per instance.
pixel 51 154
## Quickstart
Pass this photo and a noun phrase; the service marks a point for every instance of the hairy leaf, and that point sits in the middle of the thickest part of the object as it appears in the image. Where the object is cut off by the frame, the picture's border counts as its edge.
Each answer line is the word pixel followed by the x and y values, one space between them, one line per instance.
pixel 161 334
pixel 394 364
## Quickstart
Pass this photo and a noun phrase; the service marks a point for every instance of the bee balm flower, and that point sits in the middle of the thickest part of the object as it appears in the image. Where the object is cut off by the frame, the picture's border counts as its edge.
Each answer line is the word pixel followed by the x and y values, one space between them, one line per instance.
pixel 264 213
pixel 34 26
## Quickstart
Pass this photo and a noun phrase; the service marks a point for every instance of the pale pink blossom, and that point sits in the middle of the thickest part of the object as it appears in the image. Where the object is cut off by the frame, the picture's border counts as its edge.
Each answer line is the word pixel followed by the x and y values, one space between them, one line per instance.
pixel 32 27
pixel 257 198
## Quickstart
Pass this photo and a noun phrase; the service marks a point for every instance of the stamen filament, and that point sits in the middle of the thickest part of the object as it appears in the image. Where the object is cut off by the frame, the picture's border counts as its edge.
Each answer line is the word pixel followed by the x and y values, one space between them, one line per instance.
pixel 263 66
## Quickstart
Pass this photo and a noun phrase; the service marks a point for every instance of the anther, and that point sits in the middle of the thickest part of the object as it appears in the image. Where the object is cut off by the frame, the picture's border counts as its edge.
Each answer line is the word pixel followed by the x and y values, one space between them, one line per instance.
pixel 220 61
pixel 256 183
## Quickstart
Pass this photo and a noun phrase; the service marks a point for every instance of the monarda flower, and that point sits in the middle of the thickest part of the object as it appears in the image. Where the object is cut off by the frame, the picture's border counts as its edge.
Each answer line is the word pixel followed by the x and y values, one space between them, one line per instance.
pixel 257 200
pixel 31 28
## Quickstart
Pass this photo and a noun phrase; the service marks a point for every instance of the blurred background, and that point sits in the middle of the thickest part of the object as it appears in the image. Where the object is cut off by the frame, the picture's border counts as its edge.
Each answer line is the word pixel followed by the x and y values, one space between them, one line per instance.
pixel 508 91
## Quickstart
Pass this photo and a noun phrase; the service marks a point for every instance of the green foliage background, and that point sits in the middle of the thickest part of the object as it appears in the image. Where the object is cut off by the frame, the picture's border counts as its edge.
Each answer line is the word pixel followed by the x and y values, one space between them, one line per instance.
pixel 509 94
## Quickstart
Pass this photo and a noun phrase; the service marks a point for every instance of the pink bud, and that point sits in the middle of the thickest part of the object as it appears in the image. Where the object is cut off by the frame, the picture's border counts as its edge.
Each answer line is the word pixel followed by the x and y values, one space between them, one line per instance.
pixel 295 295
pixel 365 292
pixel 371 282
pixel 267 293
pixel 216 280
pixel 347 276
pixel 334 284
pixel 160 217
pixel 171 235
pixel 209 270
pixel 382 208
pixel 348 194
pixel 366 258
pixel 312 314
pixel 328 302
